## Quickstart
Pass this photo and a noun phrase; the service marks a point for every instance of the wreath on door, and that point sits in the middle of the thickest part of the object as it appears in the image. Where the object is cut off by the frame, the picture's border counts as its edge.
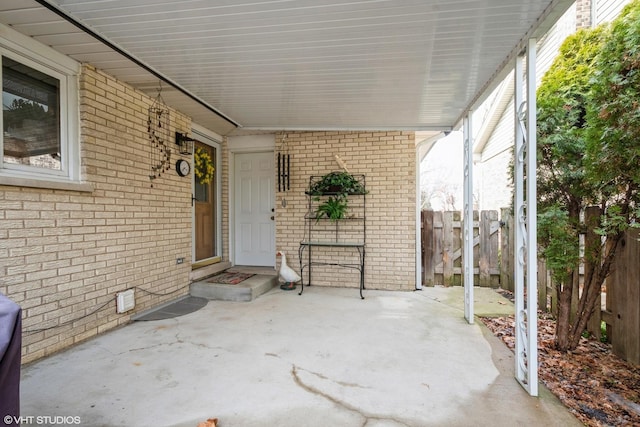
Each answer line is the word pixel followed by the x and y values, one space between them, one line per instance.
pixel 203 166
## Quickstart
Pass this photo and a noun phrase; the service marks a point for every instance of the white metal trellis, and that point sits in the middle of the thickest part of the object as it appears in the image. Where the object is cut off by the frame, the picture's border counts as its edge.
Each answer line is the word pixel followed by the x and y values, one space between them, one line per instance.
pixel 468 218
pixel 526 316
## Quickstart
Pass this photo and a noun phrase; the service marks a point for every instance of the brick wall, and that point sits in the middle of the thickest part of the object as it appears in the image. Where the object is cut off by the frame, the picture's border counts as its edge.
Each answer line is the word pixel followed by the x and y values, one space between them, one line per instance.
pixel 387 159
pixel 583 14
pixel 65 254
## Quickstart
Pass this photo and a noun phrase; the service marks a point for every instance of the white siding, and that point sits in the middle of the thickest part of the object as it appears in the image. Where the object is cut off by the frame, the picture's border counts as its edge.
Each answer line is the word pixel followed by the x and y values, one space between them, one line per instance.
pixel 493 166
pixel 548 46
pixel 493 171
pixel 495 182
pixel 607 10
pixel 502 137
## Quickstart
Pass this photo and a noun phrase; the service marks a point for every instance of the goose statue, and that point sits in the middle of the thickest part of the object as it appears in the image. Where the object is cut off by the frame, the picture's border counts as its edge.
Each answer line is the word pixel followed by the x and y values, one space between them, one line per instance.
pixel 287 274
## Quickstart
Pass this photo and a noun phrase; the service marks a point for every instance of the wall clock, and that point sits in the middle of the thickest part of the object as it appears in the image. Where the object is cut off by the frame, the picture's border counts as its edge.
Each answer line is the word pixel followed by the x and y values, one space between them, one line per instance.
pixel 183 167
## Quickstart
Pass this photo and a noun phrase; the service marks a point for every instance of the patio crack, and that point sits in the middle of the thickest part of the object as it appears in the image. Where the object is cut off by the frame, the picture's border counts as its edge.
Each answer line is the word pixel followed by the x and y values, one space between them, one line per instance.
pixel 313 390
pixel 177 340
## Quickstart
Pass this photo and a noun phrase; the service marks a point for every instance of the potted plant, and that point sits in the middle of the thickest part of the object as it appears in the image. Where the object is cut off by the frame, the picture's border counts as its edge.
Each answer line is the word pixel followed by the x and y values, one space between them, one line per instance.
pixel 338 186
pixel 337 183
pixel 333 208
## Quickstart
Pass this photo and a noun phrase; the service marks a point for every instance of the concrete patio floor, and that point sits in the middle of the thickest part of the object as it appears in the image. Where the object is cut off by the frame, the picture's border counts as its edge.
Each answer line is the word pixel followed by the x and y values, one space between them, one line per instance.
pixel 325 358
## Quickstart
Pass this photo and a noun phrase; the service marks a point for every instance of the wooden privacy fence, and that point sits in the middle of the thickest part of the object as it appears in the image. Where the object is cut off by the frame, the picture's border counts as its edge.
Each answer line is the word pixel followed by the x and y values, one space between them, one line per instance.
pixel 620 298
pixel 442 234
pixel 546 293
pixel 493 253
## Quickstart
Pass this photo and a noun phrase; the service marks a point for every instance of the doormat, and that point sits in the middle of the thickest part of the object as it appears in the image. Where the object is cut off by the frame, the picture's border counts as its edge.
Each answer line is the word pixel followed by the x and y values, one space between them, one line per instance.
pixel 230 278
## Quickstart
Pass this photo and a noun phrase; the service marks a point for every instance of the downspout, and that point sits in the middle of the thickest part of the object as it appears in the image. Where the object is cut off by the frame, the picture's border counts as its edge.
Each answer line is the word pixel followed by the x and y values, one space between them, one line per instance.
pixel 419 158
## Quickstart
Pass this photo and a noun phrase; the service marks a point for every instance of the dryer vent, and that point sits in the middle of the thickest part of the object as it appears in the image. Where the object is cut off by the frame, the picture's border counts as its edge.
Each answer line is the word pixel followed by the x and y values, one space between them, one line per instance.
pixel 125 301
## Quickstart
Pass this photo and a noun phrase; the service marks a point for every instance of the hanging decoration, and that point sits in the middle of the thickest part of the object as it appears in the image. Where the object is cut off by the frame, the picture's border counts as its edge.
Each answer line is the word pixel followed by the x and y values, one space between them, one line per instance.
pixel 159 137
pixel 203 166
pixel 284 165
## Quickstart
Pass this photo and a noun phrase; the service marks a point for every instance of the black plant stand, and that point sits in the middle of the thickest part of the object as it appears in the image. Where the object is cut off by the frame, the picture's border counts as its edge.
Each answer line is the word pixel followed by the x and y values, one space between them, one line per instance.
pixel 309 245
pixel 348 234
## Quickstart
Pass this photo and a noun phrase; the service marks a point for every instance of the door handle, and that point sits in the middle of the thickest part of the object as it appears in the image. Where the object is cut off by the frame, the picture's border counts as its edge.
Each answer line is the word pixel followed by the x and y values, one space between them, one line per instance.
pixel 272 217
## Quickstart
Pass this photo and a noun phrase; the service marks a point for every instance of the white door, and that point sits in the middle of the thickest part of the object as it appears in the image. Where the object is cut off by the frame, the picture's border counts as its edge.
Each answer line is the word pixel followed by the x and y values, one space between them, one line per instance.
pixel 254 209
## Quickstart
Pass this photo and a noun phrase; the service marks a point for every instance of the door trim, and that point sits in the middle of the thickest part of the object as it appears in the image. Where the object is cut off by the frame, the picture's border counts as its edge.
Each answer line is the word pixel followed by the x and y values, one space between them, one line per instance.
pixel 243 145
pixel 212 139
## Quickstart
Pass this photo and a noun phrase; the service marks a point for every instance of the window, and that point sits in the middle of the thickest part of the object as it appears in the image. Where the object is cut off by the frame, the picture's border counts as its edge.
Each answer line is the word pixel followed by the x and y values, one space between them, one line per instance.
pixel 30 117
pixel 39 141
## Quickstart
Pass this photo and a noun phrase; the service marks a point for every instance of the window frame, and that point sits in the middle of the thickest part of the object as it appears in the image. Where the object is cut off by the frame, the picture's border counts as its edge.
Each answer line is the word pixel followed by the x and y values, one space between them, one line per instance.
pixel 33 54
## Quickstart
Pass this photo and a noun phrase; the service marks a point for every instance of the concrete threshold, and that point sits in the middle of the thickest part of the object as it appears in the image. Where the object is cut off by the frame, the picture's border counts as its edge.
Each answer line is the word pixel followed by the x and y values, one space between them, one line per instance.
pixel 249 289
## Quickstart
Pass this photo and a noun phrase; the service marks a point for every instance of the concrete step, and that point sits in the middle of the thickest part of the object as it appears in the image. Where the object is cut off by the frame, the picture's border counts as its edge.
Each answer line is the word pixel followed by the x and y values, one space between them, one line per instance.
pixel 247 290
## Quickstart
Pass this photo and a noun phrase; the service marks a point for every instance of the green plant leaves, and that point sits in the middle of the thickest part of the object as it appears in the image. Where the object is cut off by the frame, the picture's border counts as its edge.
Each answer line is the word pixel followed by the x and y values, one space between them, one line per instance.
pixel 338 186
pixel 333 208
pixel 337 183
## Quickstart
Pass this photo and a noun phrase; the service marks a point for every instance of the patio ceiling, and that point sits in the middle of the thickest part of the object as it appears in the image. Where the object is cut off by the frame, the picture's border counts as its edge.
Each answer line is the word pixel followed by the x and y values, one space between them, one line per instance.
pixel 266 65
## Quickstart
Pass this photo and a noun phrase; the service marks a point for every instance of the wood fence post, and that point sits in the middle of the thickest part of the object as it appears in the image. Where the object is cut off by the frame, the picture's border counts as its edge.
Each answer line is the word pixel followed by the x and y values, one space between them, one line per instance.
pixel 632 321
pixel 615 297
pixel 428 249
pixel 619 310
pixel 506 253
pixel 625 299
pixel 542 285
pixel 554 299
pixel 494 249
pixel 485 249
pixel 438 250
pixel 447 248
pixel 592 240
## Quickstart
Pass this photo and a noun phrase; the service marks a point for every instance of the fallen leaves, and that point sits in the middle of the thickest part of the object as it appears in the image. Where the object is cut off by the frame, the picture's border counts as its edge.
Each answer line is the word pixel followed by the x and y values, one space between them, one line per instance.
pixel 211 422
pixel 599 388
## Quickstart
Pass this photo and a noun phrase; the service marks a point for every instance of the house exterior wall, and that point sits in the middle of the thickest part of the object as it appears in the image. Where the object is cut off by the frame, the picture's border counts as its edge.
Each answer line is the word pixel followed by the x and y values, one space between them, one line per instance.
pixel 65 254
pixel 497 152
pixel 387 159
pixel 496 161
pixel 607 10
pixel 584 13
pixel 549 46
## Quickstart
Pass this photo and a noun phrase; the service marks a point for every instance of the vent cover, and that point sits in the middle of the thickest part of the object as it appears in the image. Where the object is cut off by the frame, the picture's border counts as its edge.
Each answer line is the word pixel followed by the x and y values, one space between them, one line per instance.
pixel 125 301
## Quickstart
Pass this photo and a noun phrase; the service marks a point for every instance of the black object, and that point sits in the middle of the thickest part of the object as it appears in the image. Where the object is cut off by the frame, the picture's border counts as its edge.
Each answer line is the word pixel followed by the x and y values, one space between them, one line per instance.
pixel 284 168
pixel 324 233
pixel 10 348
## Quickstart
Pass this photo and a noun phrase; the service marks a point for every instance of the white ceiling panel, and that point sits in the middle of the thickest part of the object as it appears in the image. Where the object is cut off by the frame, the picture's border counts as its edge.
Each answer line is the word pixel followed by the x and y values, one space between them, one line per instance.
pixel 43 28
pixel 297 64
